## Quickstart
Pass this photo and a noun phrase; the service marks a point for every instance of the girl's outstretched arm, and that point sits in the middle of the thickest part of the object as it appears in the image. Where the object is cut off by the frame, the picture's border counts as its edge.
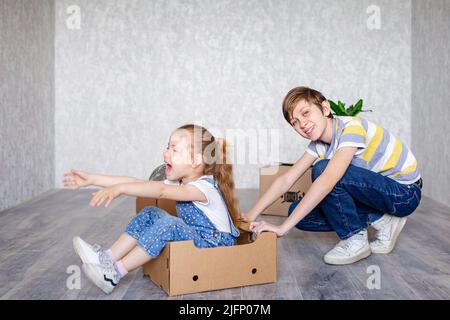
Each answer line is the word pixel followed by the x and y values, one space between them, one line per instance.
pixel 148 189
pixel 160 190
pixel 108 181
pixel 75 179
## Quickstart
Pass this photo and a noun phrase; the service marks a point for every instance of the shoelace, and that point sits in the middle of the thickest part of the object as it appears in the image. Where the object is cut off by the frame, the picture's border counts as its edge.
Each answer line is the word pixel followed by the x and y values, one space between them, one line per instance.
pixel 109 268
pixel 345 244
pixel 384 234
pixel 96 247
pixel 110 271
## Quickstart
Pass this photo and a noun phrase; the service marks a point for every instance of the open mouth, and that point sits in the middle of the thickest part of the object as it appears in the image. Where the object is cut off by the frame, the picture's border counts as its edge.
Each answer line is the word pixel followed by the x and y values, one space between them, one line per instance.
pixel 168 168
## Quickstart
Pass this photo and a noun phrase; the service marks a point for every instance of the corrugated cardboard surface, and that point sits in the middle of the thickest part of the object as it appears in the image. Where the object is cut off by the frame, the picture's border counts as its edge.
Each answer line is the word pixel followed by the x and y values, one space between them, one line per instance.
pixel 222 267
pixel 181 268
pixel 267 176
pixel 168 205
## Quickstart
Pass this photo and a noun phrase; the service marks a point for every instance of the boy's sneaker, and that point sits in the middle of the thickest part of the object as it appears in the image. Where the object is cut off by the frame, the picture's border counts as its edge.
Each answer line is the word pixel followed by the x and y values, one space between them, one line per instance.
pixel 104 276
pixel 388 229
pixel 349 250
pixel 89 253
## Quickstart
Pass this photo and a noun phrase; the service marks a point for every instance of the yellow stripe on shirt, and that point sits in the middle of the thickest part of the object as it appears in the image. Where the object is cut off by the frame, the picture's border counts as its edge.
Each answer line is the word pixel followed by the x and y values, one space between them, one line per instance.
pixel 354 129
pixel 410 169
pixel 395 156
pixel 373 144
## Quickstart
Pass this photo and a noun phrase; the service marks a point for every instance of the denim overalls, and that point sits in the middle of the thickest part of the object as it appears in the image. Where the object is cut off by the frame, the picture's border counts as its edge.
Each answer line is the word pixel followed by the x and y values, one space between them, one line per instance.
pixel 154 227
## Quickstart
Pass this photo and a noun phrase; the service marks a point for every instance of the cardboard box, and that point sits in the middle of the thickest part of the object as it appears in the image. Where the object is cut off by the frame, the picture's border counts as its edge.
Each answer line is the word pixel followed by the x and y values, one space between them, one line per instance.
pixel 182 268
pixel 267 176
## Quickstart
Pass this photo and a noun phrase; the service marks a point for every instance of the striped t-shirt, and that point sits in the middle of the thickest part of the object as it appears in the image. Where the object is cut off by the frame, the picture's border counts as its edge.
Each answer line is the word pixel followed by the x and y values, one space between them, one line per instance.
pixel 378 150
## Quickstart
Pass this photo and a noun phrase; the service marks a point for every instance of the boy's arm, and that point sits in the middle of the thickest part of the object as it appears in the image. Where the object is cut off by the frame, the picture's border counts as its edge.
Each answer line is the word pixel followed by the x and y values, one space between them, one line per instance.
pixel 108 181
pixel 160 190
pixel 321 187
pixel 281 185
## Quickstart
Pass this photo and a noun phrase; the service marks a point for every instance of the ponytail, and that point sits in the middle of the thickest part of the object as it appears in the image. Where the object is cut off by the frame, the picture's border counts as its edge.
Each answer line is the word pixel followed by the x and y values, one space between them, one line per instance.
pixel 223 173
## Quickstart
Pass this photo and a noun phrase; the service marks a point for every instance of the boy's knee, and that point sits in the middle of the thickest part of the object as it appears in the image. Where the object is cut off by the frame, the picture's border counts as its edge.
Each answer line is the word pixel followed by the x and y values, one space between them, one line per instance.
pixel 319 168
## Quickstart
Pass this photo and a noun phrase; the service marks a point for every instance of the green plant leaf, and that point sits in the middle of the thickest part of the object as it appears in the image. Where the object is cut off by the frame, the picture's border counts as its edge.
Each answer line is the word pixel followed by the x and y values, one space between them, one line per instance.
pixel 340 110
pixel 358 106
pixel 337 108
pixel 350 111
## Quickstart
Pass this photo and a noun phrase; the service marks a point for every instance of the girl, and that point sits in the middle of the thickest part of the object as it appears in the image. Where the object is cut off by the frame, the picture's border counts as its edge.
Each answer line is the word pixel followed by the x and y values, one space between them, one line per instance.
pixel 198 177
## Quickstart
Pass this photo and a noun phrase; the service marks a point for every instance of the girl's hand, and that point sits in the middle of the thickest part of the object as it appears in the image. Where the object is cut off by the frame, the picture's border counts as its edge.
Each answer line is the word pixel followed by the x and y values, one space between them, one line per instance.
pixel 108 194
pixel 260 226
pixel 75 179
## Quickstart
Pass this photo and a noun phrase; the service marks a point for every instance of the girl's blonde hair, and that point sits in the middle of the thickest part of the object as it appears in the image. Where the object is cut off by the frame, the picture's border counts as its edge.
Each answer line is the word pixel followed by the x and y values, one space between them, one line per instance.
pixel 215 159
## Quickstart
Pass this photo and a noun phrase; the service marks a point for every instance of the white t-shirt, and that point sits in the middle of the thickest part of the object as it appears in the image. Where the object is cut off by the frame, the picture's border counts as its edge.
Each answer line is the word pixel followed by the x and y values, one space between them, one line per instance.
pixel 214 207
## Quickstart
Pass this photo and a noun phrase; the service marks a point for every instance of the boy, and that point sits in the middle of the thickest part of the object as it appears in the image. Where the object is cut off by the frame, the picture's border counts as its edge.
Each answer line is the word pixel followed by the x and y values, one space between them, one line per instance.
pixel 363 176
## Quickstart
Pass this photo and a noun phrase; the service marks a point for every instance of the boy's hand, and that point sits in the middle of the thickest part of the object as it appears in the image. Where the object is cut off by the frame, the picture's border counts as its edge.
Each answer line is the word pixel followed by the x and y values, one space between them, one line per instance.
pixel 75 179
pixel 260 226
pixel 108 194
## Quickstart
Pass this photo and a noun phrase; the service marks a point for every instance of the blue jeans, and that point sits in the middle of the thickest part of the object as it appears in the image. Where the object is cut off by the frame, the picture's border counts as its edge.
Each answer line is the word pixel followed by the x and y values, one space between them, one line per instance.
pixel 358 199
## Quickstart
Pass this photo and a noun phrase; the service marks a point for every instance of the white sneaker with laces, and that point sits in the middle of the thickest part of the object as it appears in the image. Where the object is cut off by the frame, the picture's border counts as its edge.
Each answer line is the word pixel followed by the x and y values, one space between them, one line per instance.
pixel 388 229
pixel 105 276
pixel 87 252
pixel 349 250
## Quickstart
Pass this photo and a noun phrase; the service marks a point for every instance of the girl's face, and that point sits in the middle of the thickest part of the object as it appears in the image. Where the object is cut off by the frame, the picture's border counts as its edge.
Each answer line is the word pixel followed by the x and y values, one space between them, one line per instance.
pixel 178 156
pixel 309 121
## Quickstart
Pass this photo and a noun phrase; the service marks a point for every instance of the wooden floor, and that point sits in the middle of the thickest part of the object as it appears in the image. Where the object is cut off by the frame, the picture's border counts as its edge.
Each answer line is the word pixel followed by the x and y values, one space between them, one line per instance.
pixel 36 250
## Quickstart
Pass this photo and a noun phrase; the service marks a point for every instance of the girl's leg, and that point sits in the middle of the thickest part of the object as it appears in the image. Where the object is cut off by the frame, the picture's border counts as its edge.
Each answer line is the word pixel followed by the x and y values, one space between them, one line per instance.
pixel 146 218
pixel 150 244
pixel 154 239
pixel 121 247
pixel 134 259
pixel 134 231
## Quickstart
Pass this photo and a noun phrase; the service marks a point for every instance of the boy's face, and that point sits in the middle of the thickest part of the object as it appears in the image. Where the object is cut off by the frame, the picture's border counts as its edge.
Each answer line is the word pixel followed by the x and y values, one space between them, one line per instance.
pixel 309 121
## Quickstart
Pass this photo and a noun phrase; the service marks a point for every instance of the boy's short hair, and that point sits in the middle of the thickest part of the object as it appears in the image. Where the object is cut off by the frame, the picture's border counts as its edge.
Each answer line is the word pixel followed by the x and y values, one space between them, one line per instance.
pixel 297 94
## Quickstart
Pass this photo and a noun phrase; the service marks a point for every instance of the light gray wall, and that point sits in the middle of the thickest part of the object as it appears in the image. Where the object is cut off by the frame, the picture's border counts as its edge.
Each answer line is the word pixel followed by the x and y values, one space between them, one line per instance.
pixel 135 70
pixel 26 99
pixel 431 95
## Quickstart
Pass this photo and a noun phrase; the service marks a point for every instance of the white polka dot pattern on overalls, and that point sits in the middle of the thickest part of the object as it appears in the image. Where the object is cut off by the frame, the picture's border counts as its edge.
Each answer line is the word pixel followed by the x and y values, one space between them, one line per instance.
pixel 153 228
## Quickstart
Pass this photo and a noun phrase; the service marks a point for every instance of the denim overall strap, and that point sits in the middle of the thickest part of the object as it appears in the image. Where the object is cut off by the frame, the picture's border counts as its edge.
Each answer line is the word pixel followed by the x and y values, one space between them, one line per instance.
pixel 197 219
pixel 234 231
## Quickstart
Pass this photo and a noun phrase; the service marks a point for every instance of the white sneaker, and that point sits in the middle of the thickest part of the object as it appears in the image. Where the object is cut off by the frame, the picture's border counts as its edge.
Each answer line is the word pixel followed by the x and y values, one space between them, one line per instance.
pixel 349 250
pixel 104 276
pixel 87 253
pixel 388 229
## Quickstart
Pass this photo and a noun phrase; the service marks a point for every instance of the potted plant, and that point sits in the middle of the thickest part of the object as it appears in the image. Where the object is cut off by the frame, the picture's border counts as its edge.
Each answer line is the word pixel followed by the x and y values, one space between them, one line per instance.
pixel 339 108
